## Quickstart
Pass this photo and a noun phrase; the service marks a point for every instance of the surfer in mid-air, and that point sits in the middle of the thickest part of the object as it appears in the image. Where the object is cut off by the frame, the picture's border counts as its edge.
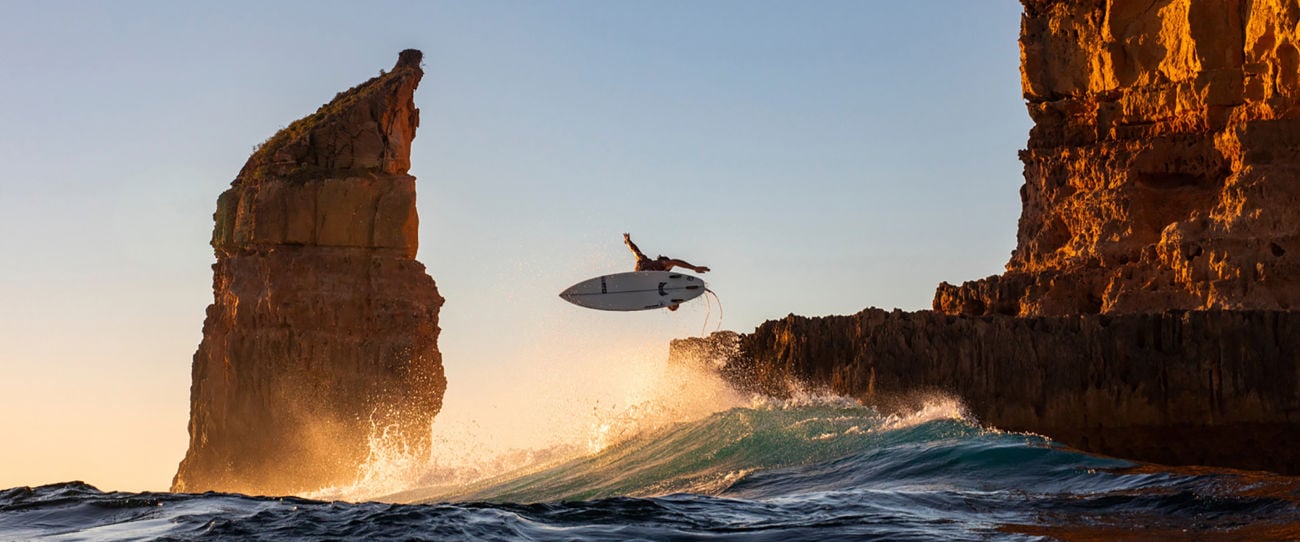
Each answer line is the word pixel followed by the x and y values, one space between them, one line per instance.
pixel 662 263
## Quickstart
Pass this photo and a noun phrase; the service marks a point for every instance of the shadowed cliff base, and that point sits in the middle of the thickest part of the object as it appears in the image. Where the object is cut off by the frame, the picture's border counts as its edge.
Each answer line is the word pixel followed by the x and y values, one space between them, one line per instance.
pixel 323 329
pixel 1180 388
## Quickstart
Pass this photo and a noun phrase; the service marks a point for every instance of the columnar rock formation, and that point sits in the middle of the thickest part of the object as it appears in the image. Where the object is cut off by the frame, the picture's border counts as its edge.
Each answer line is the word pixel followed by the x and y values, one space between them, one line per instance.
pixel 323 330
pixel 1163 168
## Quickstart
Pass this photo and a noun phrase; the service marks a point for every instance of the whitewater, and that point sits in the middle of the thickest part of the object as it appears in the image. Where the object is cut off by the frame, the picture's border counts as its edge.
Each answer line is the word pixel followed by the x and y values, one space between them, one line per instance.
pixel 685 457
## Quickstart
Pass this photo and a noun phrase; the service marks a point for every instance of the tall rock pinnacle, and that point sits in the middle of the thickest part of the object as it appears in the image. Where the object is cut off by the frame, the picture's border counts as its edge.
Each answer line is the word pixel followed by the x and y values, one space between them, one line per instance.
pixel 323 329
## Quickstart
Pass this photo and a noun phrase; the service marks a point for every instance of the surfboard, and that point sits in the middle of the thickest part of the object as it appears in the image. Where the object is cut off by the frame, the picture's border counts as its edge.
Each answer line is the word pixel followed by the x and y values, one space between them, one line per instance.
pixel 634 291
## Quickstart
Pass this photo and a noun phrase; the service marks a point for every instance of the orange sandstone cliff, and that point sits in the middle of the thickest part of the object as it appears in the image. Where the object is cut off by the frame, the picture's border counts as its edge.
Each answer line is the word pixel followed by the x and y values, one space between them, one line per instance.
pixel 323 329
pixel 1163 168
pixel 1150 308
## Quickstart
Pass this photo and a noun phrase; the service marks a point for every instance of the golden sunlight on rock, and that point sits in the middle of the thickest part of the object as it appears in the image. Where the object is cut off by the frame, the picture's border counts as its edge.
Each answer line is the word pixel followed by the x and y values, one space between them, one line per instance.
pixel 1161 171
pixel 323 330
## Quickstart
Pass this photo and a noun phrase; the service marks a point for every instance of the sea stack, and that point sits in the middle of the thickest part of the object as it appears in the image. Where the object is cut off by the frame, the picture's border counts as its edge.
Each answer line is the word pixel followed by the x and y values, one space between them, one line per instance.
pixel 322 335
pixel 1149 310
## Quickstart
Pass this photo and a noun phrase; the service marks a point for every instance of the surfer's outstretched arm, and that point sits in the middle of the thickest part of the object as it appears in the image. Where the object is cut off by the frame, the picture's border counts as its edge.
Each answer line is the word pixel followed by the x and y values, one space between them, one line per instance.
pixel 671 263
pixel 627 239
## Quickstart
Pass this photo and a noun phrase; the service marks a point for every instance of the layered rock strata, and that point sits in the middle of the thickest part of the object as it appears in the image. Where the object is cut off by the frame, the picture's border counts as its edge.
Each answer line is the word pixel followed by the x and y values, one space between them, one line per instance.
pixel 322 336
pixel 1184 388
pixel 1163 167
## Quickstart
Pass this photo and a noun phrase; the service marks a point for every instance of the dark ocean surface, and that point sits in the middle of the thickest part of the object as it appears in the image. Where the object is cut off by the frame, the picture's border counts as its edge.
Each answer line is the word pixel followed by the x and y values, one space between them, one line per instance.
pixel 825 470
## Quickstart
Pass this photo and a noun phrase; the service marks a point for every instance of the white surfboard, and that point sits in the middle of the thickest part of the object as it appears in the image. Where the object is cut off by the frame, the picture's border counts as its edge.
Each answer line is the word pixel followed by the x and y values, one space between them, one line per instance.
pixel 635 291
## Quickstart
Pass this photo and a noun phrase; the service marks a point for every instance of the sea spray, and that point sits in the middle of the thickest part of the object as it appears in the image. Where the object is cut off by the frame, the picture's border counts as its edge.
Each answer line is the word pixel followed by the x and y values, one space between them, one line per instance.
pixel 712 455
pixel 678 393
pixel 465 452
pixel 812 468
pixel 681 430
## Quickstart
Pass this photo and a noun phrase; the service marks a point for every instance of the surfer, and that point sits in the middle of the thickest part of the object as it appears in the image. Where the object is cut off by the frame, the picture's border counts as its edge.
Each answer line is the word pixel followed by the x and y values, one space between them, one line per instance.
pixel 662 263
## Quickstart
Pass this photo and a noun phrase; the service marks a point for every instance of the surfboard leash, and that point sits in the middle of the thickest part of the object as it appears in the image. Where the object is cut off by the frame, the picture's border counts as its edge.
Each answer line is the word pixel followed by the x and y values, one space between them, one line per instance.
pixel 709 311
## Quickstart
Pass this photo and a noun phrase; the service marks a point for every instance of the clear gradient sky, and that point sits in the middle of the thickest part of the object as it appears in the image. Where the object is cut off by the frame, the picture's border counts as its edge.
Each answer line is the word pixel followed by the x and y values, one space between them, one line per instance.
pixel 820 157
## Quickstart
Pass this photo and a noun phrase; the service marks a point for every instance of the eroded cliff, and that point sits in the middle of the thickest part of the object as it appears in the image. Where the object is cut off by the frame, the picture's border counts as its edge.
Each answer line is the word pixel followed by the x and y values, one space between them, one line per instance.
pixel 1149 308
pixel 1200 388
pixel 323 330
pixel 1161 171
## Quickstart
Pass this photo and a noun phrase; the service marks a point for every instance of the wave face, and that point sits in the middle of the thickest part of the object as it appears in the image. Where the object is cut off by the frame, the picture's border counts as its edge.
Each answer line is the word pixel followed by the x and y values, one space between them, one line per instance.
pixel 804 470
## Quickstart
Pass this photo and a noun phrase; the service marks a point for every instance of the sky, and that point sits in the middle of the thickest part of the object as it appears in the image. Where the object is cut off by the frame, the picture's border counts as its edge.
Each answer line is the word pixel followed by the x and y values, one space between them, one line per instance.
pixel 821 157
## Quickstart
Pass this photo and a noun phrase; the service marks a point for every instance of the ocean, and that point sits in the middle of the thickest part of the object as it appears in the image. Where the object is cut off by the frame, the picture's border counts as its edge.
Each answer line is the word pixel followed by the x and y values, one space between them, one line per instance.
pixel 821 468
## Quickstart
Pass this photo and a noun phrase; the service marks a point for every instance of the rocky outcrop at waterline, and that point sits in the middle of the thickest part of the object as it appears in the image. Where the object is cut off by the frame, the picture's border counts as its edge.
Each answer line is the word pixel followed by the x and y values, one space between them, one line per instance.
pixel 1163 168
pixel 1185 388
pixel 323 330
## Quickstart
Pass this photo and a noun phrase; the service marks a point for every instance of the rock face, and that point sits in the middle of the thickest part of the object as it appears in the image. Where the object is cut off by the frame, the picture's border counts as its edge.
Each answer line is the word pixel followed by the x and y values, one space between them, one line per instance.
pixel 1163 168
pixel 1149 309
pixel 323 330
pixel 1205 388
